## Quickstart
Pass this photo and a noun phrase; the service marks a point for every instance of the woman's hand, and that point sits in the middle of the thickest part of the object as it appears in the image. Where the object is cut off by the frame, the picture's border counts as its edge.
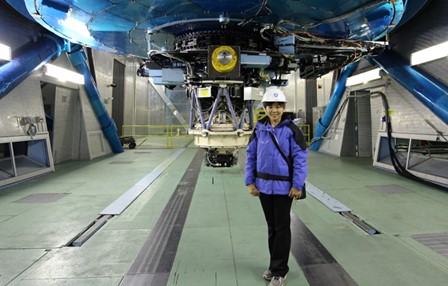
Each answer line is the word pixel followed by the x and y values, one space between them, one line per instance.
pixel 295 193
pixel 253 190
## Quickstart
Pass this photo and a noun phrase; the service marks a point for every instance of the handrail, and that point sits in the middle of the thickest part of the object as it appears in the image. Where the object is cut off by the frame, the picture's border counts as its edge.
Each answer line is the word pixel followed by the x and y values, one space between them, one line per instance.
pixel 169 131
pixel 305 132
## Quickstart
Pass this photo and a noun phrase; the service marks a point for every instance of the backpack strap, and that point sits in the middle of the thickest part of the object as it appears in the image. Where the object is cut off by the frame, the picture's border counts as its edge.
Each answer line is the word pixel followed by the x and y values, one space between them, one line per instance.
pixel 298 136
pixel 288 160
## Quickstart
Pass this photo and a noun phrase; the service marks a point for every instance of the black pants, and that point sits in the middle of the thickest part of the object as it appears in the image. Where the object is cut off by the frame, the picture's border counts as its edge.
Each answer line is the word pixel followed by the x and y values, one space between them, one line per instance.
pixel 276 210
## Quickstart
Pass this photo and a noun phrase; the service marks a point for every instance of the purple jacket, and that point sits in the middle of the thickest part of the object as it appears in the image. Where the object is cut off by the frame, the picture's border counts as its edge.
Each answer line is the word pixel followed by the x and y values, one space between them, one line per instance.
pixel 265 166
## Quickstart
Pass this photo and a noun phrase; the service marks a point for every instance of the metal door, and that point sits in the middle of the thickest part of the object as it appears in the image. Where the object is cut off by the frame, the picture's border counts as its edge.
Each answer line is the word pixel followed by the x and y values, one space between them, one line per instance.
pixel 118 95
pixel 67 125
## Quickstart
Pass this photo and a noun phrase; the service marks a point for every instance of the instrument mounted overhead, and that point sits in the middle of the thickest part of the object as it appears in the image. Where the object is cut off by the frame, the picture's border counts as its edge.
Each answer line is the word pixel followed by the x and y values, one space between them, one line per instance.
pixel 216 49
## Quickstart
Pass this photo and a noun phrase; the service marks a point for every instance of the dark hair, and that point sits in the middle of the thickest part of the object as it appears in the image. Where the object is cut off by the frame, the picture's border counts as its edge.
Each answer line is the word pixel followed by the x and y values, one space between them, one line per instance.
pixel 270 103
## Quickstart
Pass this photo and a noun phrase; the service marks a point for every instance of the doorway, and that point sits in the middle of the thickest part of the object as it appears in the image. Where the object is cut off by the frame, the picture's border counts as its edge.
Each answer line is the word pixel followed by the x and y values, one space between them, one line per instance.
pixel 358 127
pixel 118 95
pixel 363 124
pixel 63 115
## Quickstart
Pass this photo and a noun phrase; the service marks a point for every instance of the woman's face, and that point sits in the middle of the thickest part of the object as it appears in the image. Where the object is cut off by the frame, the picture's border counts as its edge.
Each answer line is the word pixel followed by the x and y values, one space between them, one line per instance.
pixel 275 111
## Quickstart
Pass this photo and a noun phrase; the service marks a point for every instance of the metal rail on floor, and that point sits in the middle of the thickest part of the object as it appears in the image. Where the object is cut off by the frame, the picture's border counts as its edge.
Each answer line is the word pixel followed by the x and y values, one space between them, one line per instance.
pixel 125 200
pixel 81 238
pixel 340 208
pixel 360 223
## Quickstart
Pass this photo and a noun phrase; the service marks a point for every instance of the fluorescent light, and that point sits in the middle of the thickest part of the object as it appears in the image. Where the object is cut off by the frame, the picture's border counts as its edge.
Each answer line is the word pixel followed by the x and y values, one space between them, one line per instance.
pixel 63 74
pixel 5 52
pixel 430 54
pixel 364 77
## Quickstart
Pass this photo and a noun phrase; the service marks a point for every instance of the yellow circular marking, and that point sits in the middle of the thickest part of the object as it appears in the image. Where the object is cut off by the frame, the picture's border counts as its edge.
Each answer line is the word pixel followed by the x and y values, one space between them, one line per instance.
pixel 224 59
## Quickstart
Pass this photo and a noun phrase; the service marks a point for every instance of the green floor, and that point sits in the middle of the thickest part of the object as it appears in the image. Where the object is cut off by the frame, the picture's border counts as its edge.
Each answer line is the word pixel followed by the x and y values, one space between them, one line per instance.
pixel 224 237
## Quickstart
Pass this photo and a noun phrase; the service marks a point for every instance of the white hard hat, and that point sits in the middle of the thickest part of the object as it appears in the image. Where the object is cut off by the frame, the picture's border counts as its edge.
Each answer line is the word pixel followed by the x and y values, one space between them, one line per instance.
pixel 273 94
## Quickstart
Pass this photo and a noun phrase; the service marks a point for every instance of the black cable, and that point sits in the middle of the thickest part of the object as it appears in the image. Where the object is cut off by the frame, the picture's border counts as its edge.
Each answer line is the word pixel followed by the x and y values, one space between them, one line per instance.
pixel 257 14
pixel 393 156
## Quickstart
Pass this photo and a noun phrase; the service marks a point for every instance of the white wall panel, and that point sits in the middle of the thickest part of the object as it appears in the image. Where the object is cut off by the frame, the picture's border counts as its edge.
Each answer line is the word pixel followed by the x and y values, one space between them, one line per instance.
pixel 300 87
pixel 64 124
pixel 142 101
pixel 130 92
pixel 156 107
pixel 323 87
pixel 23 101
pixel 408 114
pixel 97 144
pixel 104 66
pixel 364 126
pixel 334 138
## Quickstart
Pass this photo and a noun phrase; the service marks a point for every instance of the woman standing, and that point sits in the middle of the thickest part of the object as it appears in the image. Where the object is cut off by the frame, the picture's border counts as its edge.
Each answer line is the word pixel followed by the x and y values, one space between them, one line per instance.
pixel 275 178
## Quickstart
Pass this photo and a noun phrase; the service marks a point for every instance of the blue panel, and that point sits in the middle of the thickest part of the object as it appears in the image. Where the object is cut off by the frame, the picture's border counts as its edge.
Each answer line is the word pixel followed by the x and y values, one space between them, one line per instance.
pixel 110 23
pixel 138 38
pixel 369 25
pixel 89 6
pixel 336 19
pixel 228 6
pixel 59 5
pixel 303 12
pixel 53 12
pixel 172 7
pixel 119 43
pixel 132 12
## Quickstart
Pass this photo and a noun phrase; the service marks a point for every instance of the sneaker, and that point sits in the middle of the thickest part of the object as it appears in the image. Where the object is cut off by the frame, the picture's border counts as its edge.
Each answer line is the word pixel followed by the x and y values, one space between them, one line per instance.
pixel 267 275
pixel 277 281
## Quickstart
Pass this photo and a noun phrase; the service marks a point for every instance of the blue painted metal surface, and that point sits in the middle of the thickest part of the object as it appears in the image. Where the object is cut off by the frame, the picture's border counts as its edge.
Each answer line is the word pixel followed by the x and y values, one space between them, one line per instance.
pixel 428 90
pixel 78 59
pixel 122 27
pixel 411 9
pixel 31 57
pixel 332 106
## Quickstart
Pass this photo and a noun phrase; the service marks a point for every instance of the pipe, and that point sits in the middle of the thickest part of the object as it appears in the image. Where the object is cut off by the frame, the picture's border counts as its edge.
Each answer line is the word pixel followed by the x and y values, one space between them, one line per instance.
pixel 332 106
pixel 29 58
pixel 78 59
pixel 428 90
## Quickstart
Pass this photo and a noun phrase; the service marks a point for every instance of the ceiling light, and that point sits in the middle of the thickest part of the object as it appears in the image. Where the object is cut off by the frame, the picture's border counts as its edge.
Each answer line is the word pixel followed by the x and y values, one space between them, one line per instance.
pixel 430 54
pixel 364 77
pixel 63 74
pixel 5 52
